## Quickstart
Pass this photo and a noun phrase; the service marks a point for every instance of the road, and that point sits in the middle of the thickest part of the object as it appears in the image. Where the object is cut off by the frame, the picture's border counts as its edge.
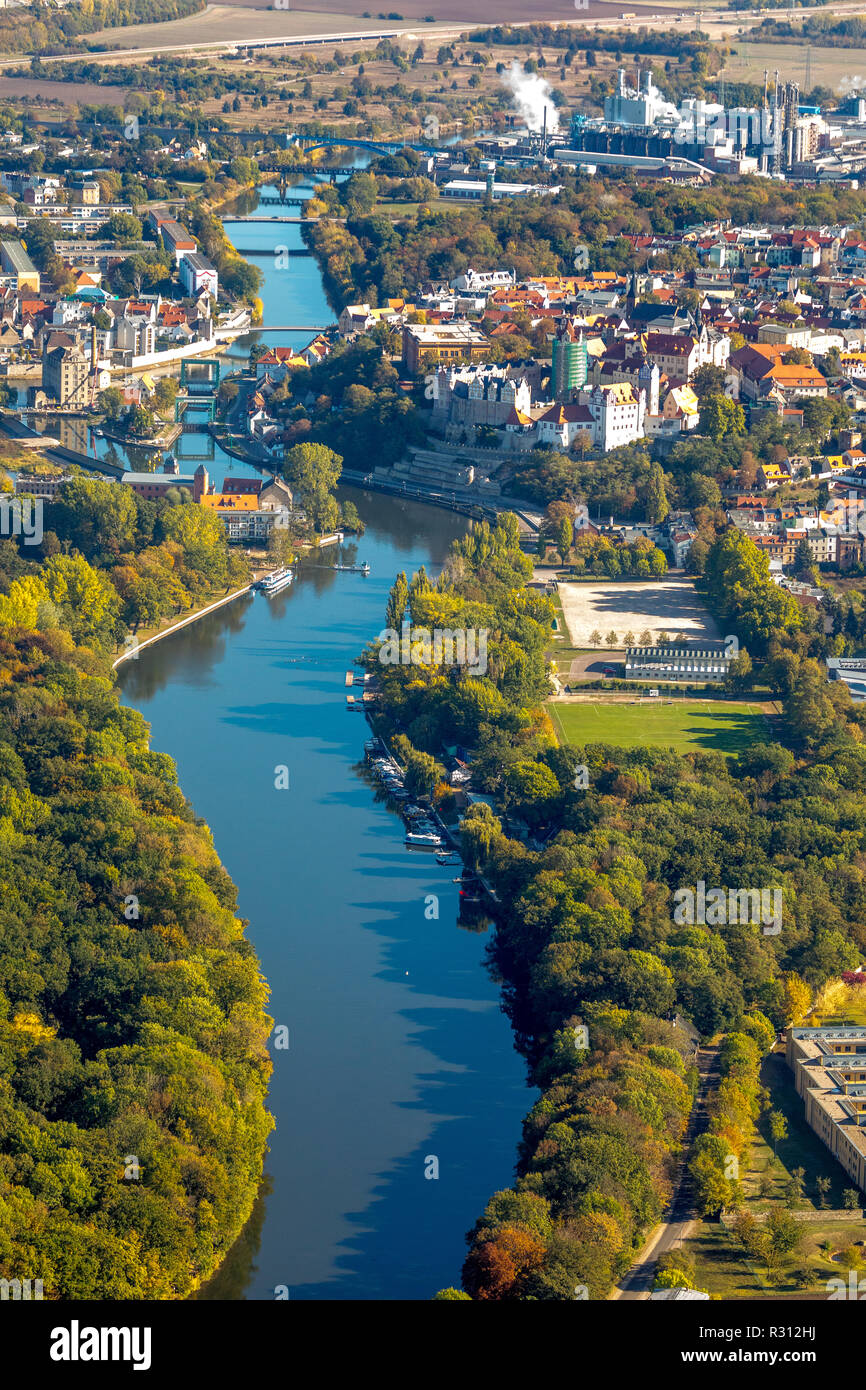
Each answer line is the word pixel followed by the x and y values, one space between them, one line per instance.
pixel 636 1284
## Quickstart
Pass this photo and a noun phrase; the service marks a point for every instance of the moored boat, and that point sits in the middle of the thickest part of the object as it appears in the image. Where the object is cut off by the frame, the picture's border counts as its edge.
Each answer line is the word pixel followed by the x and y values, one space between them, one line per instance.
pixel 274 582
pixel 424 839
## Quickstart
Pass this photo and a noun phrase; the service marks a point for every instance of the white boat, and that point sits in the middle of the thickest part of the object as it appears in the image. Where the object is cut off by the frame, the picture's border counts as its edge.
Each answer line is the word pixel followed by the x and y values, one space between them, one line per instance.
pixel 275 581
pixel 427 839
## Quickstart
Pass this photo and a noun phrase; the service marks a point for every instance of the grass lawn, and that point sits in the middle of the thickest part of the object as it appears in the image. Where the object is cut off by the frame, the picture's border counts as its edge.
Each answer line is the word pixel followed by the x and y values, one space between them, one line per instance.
pixel 722 1266
pixel 800 1149
pixel 714 725
pixel 560 650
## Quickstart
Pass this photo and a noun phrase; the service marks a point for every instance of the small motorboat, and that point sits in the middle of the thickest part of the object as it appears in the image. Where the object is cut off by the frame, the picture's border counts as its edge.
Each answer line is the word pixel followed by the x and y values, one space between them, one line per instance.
pixel 449 860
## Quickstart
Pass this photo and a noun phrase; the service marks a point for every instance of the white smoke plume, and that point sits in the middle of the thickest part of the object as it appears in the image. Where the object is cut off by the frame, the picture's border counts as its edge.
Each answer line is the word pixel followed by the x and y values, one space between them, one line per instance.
pixel 849 85
pixel 530 95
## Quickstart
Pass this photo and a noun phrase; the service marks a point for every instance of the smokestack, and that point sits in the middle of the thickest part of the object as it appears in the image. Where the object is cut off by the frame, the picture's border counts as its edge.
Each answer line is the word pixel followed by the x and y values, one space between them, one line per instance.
pixel 621 82
pixel 544 133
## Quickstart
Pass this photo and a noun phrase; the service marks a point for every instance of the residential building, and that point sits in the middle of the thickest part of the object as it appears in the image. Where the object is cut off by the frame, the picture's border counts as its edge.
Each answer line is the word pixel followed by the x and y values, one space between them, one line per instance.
pixel 680 412
pixel 15 261
pixel 482 281
pixel 197 274
pixel 86 192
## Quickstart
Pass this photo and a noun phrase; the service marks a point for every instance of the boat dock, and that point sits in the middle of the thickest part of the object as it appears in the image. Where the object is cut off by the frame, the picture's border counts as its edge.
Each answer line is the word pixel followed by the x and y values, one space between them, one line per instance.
pixel 377 750
pixel 346 569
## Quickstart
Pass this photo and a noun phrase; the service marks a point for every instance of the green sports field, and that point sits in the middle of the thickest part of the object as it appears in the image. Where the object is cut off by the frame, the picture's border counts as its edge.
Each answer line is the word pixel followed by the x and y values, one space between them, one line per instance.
pixel 713 725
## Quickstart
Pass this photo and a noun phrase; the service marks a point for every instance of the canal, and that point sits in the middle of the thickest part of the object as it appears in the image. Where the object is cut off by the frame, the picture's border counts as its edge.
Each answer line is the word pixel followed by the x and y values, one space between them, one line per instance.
pixel 398 1051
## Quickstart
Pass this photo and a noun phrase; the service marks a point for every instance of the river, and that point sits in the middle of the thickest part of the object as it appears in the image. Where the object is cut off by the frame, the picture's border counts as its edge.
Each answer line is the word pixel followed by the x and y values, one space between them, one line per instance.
pixel 398 1050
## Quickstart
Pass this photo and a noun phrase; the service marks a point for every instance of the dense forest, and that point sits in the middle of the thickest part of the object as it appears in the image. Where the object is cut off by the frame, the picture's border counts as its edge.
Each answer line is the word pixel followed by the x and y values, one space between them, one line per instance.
pixel 133 1032
pixel 586 935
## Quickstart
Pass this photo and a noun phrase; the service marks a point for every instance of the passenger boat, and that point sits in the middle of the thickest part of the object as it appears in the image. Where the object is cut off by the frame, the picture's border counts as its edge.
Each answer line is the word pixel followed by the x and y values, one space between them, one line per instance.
pixel 424 839
pixel 274 582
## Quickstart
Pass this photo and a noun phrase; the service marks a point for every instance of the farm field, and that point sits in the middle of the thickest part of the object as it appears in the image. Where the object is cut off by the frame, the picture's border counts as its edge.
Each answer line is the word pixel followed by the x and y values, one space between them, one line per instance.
pixel 686 725
pixel 232 24
pixel 829 66
pixel 69 93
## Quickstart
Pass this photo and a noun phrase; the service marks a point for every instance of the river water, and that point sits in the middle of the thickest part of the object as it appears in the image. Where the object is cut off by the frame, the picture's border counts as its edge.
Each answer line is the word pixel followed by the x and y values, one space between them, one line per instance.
pixel 398 1051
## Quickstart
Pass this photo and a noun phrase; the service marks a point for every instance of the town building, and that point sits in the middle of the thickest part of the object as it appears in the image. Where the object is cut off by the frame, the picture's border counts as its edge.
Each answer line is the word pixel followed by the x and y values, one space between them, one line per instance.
pixel 66 372
pixel 618 414
pixel 176 240
pixel 476 190
pixel 851 670
pixel 829 1066
pixel 153 486
pixel 197 274
pixel 426 345
pixel 467 396
pixel 692 662
pixel 15 261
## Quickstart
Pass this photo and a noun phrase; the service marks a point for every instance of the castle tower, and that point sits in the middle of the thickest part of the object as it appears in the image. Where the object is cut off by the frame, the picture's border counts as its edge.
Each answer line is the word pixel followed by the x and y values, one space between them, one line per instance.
pixel 201 483
pixel 648 381
pixel 569 366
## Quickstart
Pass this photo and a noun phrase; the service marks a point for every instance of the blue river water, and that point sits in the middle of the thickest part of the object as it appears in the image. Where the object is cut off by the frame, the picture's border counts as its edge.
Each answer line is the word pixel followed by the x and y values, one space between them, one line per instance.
pixel 398 1050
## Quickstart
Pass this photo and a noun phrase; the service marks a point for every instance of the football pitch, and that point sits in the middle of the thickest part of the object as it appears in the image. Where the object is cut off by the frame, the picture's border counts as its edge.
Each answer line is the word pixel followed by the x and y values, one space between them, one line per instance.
pixel 684 725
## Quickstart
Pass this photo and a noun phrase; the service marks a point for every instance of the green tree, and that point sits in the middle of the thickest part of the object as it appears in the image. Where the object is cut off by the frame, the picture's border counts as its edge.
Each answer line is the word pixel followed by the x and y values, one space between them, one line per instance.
pixel 564 538
pixel 778 1127
pixel 654 496
pixel 313 471
pixel 708 380
pixel 112 403
pixel 123 226
pixel 721 417
pixel 398 597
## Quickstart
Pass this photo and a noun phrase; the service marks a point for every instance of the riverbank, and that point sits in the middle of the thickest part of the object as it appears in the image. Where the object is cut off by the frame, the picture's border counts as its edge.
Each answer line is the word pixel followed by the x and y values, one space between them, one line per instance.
pixel 136 646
